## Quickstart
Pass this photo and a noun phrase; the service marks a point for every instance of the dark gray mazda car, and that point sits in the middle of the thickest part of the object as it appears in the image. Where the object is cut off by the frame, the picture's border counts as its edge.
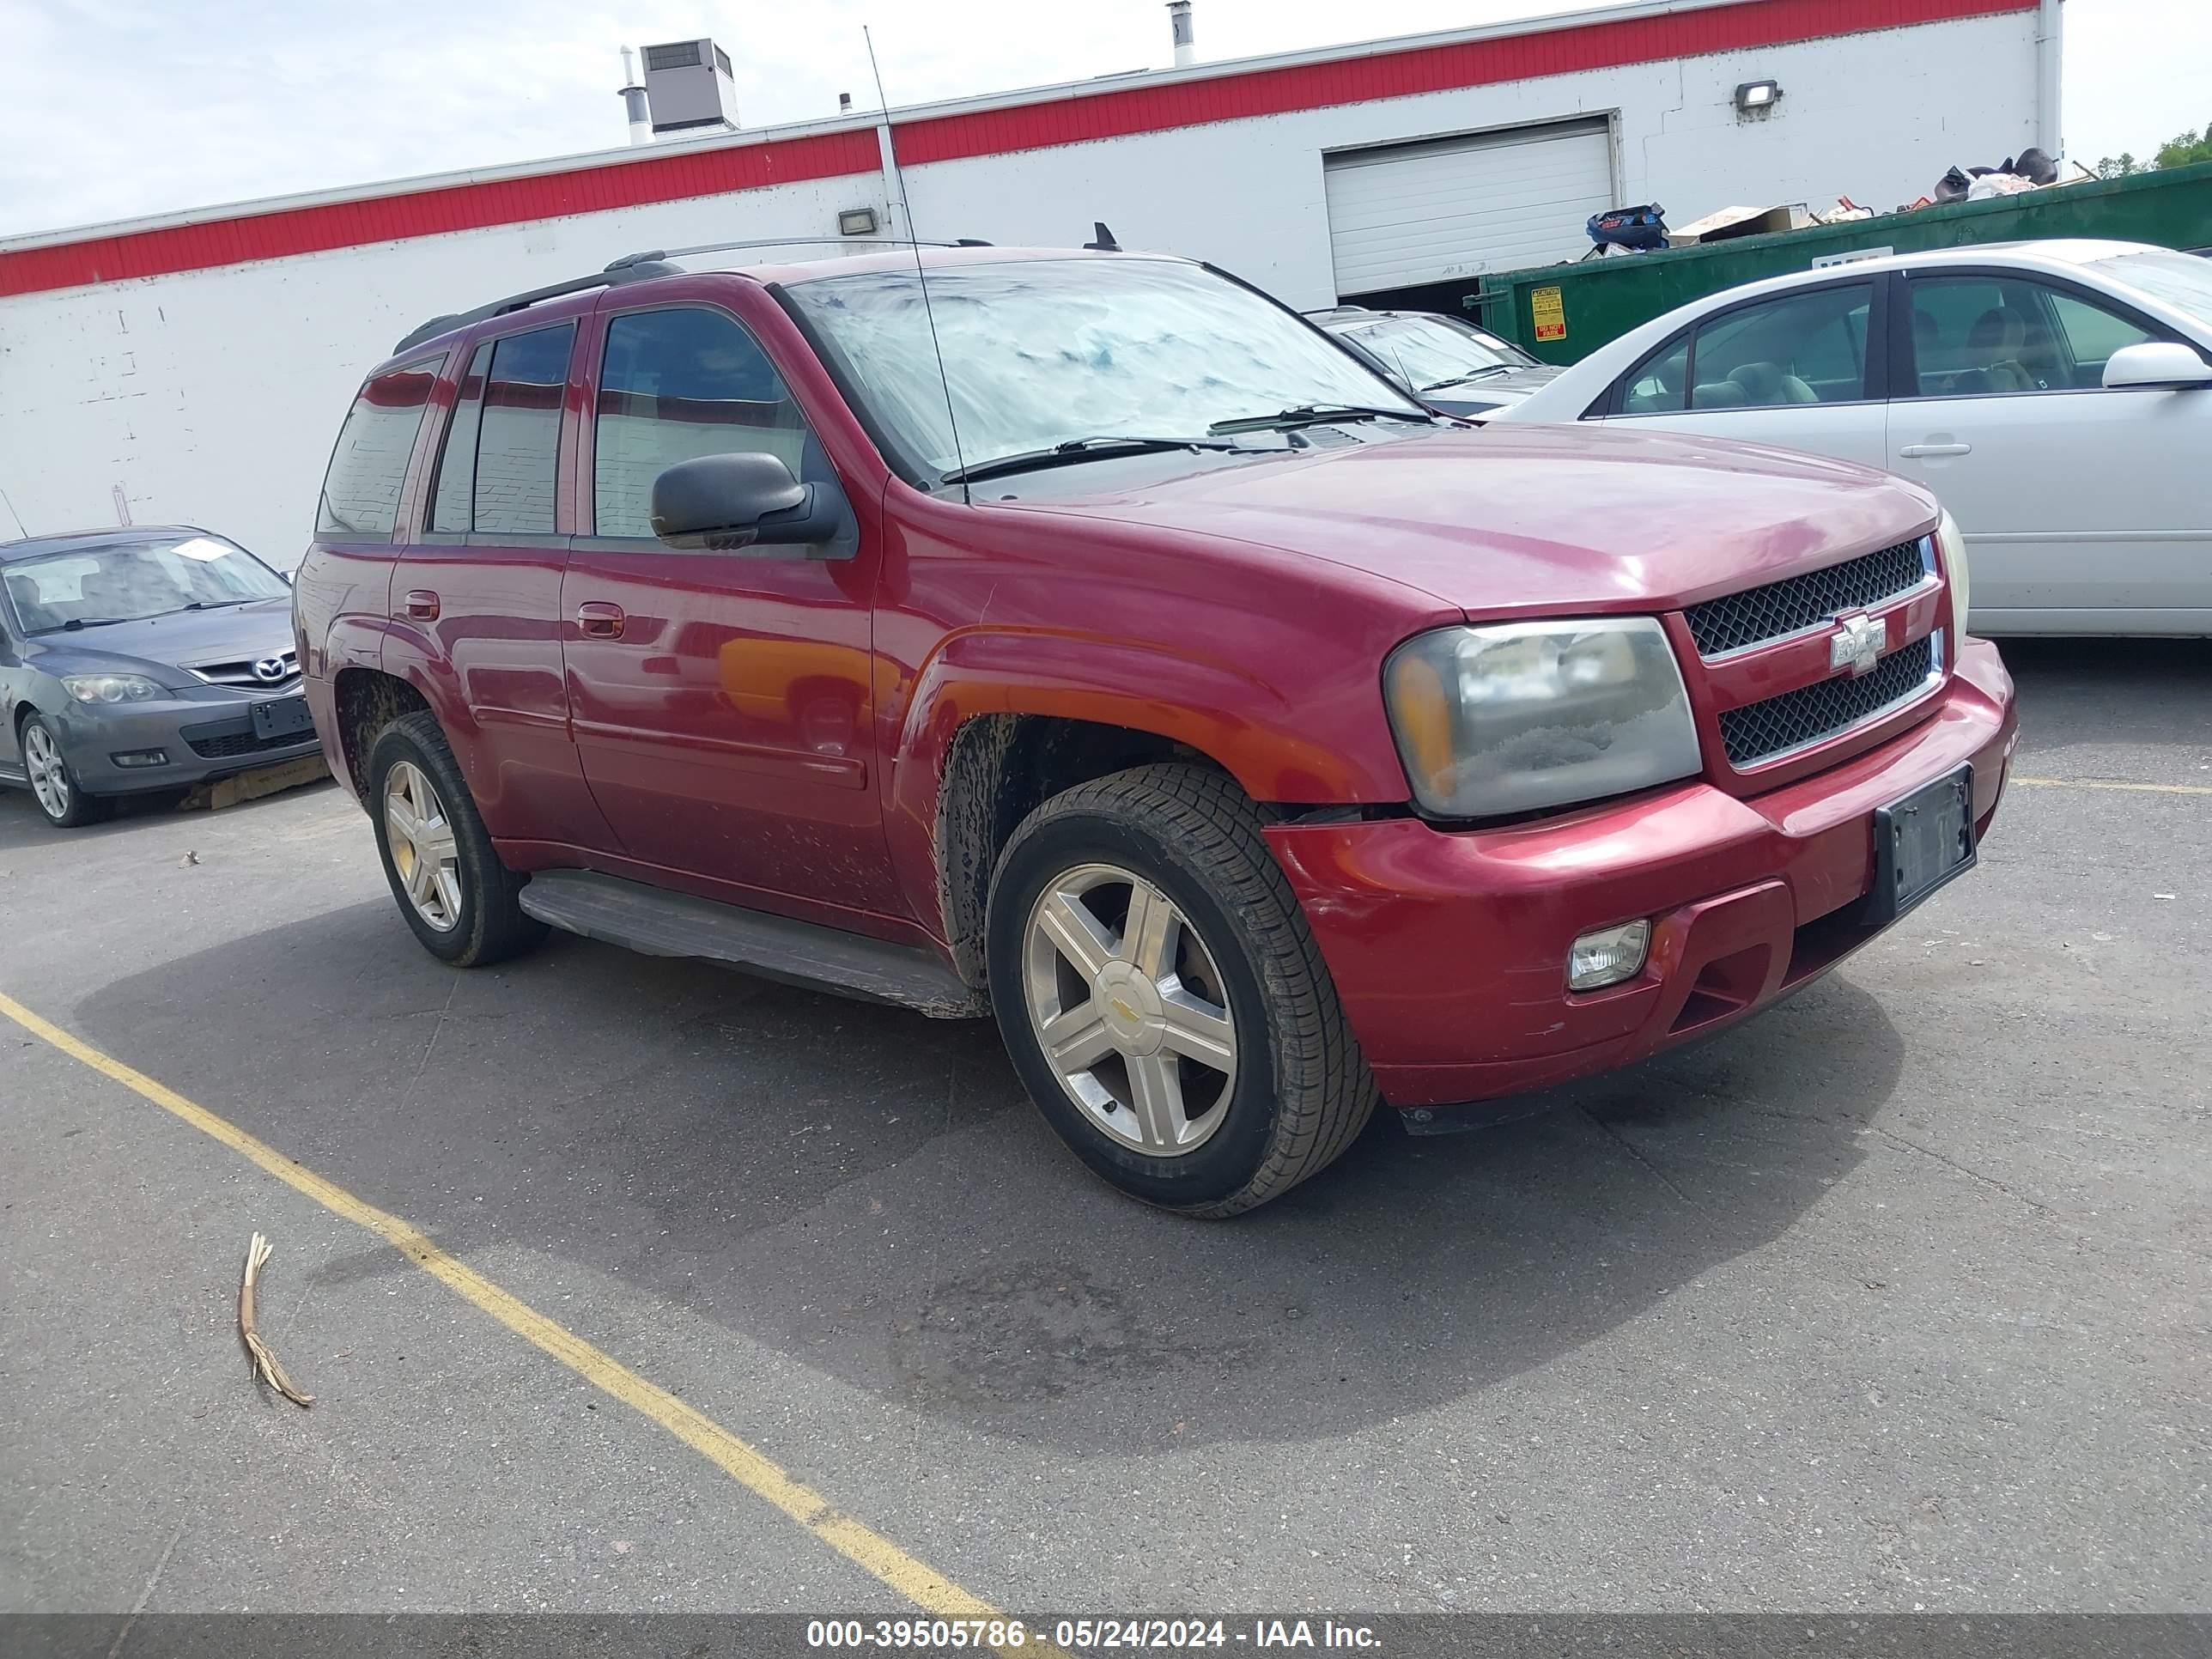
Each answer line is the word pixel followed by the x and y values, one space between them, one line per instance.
pixel 142 659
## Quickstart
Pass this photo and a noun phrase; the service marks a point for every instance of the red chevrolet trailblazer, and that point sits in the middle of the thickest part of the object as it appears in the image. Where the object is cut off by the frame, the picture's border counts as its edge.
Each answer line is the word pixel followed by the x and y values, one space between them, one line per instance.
pixel 1085 639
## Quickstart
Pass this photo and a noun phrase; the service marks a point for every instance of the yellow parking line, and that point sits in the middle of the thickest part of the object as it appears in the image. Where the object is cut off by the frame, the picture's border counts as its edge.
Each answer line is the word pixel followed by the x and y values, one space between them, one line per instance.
pixel 2105 783
pixel 919 1582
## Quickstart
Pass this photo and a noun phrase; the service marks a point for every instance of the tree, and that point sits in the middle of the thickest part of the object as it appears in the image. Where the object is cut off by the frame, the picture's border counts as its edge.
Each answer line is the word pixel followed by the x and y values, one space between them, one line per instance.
pixel 2190 147
pixel 2179 152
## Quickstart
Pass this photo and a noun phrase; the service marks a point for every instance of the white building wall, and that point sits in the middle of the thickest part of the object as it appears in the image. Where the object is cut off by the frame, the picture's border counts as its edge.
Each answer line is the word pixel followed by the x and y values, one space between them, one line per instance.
pixel 1876 117
pixel 212 397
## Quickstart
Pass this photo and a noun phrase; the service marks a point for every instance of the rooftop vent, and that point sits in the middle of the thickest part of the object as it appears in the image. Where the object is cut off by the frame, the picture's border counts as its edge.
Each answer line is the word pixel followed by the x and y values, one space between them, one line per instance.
pixel 688 86
pixel 1179 26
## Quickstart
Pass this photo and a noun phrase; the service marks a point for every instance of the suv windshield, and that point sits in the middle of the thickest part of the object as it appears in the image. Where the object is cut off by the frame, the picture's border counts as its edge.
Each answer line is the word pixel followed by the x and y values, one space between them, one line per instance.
pixel 1044 352
pixel 1432 352
pixel 86 587
pixel 2183 281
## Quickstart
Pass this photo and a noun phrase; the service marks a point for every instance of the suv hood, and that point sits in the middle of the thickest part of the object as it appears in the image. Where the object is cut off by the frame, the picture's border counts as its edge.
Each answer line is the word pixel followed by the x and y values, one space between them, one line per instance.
pixel 1524 520
pixel 157 646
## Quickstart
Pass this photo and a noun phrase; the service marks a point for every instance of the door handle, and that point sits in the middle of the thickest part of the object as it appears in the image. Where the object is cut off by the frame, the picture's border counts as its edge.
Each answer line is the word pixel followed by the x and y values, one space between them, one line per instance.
pixel 1916 450
pixel 422 605
pixel 598 620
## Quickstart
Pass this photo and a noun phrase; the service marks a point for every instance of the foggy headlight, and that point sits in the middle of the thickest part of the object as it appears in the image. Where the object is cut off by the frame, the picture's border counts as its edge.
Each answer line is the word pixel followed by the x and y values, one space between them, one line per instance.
pixel 111 688
pixel 1951 553
pixel 1517 716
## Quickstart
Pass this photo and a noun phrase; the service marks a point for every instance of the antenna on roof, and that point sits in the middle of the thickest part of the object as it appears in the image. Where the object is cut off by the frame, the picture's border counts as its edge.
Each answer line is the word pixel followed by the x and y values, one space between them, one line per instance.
pixel 905 213
pixel 1101 239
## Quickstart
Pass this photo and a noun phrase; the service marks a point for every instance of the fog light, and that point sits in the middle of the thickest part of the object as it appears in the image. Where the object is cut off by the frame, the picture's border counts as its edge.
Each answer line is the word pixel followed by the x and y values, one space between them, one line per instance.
pixel 141 757
pixel 1608 955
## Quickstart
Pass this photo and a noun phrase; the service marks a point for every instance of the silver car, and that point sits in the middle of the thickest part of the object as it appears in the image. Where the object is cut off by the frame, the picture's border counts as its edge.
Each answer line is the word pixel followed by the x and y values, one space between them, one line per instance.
pixel 140 659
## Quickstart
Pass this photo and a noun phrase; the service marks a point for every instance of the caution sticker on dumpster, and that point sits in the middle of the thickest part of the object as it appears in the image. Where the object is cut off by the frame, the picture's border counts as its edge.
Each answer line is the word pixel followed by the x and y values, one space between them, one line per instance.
pixel 1550 313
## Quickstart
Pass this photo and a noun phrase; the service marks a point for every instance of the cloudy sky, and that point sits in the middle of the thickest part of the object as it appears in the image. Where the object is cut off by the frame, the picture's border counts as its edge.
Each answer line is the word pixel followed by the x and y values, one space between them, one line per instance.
pixel 111 108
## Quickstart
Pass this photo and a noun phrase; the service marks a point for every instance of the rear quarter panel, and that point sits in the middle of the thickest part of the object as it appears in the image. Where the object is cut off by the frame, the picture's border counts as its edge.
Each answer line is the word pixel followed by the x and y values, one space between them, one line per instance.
pixel 340 600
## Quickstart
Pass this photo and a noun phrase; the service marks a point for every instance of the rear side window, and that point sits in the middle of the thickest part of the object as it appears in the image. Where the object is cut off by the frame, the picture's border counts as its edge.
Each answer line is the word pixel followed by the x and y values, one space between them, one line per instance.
pixel 451 500
pixel 361 491
pixel 676 385
pixel 1659 384
pixel 1808 348
pixel 519 433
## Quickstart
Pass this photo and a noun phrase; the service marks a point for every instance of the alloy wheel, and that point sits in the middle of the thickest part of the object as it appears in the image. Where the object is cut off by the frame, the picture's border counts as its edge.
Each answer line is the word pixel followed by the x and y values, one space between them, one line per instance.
pixel 423 851
pixel 42 758
pixel 1130 1009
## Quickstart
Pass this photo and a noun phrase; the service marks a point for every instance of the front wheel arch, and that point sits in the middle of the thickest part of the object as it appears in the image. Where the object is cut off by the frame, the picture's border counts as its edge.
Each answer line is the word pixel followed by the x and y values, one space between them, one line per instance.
pixel 489 925
pixel 1300 1091
pixel 81 806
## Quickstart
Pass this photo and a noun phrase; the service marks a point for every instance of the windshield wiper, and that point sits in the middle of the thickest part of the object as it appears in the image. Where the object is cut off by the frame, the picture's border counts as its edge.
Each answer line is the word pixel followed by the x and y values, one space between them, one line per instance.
pixel 1479 374
pixel 1318 415
pixel 1073 450
pixel 75 622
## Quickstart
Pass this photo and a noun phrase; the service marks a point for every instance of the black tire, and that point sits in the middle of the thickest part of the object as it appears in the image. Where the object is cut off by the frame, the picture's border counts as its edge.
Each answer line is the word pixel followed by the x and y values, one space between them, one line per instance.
pixel 1304 1092
pixel 81 807
pixel 491 925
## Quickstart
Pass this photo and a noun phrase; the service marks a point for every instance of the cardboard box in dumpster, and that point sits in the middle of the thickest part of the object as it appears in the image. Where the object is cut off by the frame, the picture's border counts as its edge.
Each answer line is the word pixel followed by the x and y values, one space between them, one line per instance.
pixel 1732 221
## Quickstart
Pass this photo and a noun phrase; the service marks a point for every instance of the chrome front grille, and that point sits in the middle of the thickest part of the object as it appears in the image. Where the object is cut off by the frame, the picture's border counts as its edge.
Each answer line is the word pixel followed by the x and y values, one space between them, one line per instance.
pixel 1779 726
pixel 241 676
pixel 1759 615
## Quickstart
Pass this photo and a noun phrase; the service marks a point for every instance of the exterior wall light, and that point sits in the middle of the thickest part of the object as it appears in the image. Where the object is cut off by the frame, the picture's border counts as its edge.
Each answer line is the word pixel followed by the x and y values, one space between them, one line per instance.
pixel 860 222
pixel 1756 97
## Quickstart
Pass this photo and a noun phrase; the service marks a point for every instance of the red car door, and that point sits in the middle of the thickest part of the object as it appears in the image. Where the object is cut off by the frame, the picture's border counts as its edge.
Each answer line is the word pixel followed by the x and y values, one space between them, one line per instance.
pixel 722 703
pixel 479 588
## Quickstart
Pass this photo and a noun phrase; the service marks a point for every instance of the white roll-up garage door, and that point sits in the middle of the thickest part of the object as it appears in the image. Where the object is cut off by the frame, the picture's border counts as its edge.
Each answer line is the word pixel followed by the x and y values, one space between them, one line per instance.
pixel 1458 207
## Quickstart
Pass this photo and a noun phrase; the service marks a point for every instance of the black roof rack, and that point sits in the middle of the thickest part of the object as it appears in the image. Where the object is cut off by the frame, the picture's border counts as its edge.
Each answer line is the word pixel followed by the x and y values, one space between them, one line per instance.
pixel 637 267
pixel 636 272
pixel 630 260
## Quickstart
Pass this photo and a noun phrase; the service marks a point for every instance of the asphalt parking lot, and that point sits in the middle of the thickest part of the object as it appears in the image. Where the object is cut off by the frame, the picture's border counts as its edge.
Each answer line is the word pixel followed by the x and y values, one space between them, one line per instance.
pixel 1895 1299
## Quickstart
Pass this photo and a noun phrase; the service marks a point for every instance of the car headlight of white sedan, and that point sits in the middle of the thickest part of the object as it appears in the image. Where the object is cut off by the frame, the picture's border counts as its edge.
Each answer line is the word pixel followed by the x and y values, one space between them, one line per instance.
pixel 1514 717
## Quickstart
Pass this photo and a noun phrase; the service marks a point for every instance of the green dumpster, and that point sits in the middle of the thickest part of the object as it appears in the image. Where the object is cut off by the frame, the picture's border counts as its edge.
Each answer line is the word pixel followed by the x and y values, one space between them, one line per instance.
pixel 1562 312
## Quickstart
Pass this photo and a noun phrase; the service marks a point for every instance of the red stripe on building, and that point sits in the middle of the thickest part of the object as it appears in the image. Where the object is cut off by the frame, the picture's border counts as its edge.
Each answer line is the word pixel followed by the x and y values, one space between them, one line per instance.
pixel 1067 120
pixel 429 212
pixel 1430 69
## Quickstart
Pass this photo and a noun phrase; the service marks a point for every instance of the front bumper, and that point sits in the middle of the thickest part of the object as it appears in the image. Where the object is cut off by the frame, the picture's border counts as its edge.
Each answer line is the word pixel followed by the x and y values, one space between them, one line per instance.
pixel 203 735
pixel 1449 948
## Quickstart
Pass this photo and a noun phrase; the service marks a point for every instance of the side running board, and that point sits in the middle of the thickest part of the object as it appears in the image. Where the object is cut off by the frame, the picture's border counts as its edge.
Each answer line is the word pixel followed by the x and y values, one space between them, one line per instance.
pixel 659 923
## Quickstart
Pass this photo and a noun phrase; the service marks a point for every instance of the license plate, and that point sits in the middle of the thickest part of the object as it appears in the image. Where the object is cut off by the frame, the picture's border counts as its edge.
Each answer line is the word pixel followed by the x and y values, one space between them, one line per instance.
pixel 1920 843
pixel 281 717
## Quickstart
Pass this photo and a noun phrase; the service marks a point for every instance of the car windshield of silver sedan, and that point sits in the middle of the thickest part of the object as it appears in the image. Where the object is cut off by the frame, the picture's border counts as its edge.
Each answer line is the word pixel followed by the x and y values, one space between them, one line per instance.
pixel 2183 281
pixel 1432 355
pixel 128 581
pixel 1049 357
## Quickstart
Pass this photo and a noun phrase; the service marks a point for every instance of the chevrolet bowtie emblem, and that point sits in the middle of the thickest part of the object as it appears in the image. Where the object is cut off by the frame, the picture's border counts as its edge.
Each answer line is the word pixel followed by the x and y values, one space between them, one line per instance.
pixel 1857 643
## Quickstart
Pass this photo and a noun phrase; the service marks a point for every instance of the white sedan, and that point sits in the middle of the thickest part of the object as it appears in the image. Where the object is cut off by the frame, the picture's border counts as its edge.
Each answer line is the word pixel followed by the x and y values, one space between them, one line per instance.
pixel 2056 396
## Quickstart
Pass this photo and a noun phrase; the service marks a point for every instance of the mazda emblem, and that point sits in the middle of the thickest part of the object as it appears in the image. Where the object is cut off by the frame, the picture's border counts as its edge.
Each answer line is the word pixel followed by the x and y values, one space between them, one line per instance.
pixel 270 669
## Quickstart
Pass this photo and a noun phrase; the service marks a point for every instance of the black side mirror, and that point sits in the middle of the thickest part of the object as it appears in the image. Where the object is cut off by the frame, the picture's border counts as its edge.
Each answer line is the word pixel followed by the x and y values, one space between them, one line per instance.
pixel 725 502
